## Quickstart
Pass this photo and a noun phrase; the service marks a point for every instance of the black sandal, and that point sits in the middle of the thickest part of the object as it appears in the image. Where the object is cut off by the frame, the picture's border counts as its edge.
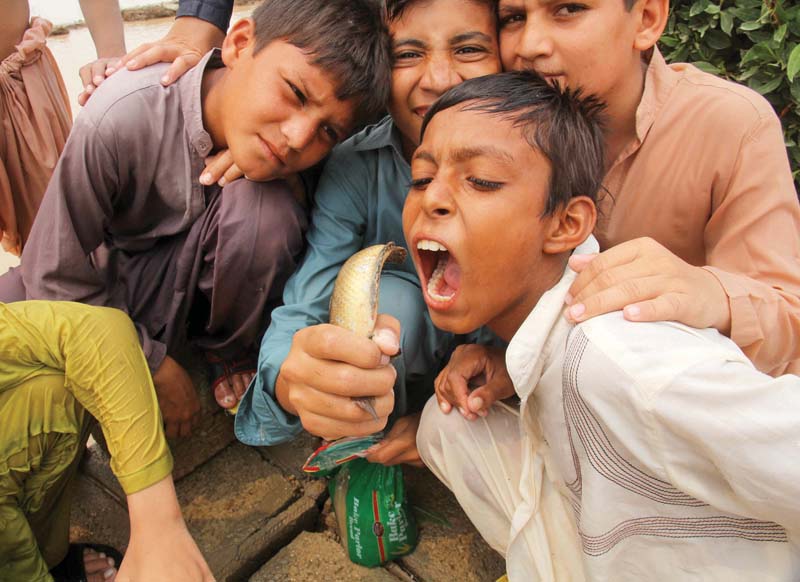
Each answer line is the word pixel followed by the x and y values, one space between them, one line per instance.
pixel 71 568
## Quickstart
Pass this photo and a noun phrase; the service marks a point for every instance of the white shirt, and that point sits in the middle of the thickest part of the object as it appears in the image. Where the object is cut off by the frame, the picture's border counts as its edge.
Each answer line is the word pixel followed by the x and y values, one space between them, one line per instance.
pixel 680 459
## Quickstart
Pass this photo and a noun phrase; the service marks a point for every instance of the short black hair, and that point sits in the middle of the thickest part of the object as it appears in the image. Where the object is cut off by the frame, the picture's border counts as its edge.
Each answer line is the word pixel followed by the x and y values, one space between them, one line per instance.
pixel 348 39
pixel 563 125
pixel 393 9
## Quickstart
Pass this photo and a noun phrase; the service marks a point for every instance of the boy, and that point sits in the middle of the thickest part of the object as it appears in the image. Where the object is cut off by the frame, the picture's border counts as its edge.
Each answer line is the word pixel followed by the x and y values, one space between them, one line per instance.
pixel 649 451
pixel 307 367
pixel 60 365
pixel 287 85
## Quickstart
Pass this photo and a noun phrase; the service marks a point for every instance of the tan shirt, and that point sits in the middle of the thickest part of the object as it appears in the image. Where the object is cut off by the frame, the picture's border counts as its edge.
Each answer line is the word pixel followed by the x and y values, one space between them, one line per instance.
pixel 708 177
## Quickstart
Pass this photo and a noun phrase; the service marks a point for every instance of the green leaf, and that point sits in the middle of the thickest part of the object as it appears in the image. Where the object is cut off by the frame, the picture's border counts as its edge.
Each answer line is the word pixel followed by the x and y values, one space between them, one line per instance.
pixel 752 25
pixel 717 40
pixel 698 7
pixel 707 67
pixel 769 86
pixel 669 41
pixel 780 34
pixel 793 66
pixel 712 9
pixel 726 22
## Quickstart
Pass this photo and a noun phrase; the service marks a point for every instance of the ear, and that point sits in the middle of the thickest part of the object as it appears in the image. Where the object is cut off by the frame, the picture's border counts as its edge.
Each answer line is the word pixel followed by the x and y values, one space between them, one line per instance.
pixel 570 225
pixel 651 16
pixel 240 40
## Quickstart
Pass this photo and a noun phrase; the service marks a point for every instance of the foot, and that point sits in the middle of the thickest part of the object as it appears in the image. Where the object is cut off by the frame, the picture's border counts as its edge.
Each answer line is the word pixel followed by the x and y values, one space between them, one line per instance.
pixel 98 566
pixel 230 379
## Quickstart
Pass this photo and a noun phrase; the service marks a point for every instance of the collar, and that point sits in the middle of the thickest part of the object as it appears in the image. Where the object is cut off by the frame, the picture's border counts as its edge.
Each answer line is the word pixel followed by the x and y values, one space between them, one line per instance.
pixel 527 352
pixel 190 87
pixel 380 135
pixel 659 81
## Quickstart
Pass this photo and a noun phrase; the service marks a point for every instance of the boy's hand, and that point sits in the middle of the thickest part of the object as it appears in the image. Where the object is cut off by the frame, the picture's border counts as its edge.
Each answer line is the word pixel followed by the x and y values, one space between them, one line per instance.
pixel 328 366
pixel 483 367
pixel 220 168
pixel 177 398
pixel 649 283
pixel 400 445
pixel 93 74
pixel 183 46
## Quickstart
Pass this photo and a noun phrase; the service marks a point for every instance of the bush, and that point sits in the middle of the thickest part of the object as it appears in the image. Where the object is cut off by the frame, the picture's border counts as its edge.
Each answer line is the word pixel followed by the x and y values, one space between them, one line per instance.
pixel 753 42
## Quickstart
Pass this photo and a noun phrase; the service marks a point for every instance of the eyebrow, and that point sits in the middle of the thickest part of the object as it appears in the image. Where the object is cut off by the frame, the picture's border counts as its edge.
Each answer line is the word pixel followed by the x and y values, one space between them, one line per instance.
pixel 472 35
pixel 415 42
pixel 461 155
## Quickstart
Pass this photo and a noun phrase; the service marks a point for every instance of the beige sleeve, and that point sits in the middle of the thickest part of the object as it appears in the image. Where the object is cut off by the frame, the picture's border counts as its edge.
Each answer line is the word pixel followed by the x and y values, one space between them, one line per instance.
pixel 753 248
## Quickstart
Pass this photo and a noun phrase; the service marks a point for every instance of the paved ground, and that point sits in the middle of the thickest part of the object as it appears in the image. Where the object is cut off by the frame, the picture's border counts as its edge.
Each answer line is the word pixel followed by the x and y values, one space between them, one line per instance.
pixel 256 517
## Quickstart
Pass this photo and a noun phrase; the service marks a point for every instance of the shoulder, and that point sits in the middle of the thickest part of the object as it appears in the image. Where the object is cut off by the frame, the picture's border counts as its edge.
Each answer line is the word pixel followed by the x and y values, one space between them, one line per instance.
pixel 128 98
pixel 645 357
pixel 725 105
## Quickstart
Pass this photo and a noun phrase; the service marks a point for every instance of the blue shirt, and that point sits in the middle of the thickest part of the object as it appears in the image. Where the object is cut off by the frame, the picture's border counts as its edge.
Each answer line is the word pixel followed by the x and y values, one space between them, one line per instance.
pixel 358 203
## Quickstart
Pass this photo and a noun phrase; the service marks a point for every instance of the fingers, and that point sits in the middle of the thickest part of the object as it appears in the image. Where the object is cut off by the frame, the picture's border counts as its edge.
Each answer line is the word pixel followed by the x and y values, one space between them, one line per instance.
pixel 481 399
pixel 332 428
pixel 220 169
pixel 131 61
pixel 329 342
pixel 386 334
pixel 400 445
pixel 98 567
pixel 592 266
pixel 179 66
pixel 667 307
pixel 452 391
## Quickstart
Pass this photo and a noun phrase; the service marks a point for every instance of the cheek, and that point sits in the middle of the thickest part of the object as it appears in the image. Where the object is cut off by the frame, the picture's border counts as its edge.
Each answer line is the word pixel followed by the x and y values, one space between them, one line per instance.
pixel 508 49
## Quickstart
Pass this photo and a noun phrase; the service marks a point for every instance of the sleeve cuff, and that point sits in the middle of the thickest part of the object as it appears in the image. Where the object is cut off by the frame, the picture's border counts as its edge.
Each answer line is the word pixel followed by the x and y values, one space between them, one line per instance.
pixel 147 476
pixel 217 13
pixel 260 420
pixel 745 326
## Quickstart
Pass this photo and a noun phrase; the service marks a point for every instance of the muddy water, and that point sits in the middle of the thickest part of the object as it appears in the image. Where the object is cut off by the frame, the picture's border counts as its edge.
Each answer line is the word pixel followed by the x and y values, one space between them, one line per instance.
pixel 74 50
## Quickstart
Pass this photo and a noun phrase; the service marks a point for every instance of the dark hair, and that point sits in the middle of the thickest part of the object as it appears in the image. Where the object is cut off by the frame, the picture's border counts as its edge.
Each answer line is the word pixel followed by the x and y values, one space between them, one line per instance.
pixel 348 39
pixel 394 9
pixel 563 125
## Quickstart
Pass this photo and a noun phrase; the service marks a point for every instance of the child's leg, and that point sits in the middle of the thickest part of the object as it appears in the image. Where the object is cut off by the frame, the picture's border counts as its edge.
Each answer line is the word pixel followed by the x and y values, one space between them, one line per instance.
pixel 423 347
pixel 502 482
pixel 42 432
pixel 37 120
pixel 251 242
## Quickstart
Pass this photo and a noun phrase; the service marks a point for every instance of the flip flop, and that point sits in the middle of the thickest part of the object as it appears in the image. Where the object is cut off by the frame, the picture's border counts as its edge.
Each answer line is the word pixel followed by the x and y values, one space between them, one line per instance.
pixel 71 568
pixel 220 370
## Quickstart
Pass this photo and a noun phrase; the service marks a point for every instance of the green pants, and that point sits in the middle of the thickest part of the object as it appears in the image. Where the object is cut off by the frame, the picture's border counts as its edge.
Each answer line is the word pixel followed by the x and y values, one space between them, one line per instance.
pixel 61 363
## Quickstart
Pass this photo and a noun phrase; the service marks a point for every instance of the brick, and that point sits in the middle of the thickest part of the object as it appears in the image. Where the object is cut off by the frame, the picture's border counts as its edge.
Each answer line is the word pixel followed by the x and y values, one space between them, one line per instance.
pixel 317 556
pixel 214 434
pixel 291 456
pixel 449 548
pixel 233 506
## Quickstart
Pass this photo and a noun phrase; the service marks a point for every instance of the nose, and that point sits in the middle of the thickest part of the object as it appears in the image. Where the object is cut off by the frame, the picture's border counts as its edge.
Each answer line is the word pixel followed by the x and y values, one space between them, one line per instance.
pixel 437 200
pixel 299 131
pixel 534 42
pixel 439 74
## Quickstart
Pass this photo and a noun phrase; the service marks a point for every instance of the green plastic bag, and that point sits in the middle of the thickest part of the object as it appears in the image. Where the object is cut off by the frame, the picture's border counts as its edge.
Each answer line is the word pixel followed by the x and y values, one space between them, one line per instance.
pixel 375 520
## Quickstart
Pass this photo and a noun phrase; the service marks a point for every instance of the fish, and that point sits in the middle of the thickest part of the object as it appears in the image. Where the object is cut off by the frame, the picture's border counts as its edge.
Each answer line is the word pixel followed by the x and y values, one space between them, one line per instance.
pixel 354 302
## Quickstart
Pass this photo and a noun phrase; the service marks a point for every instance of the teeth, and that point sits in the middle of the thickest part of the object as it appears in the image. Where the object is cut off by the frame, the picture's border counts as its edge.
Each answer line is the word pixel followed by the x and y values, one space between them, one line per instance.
pixel 431 245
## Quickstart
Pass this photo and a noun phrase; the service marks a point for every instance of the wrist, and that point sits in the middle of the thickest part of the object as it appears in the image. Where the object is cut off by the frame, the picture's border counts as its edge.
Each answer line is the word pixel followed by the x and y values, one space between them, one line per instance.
pixel 721 303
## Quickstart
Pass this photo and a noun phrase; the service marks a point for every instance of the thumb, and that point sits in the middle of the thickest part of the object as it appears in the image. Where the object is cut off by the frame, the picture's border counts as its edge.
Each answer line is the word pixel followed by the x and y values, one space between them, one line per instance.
pixel 481 399
pixel 579 262
pixel 386 334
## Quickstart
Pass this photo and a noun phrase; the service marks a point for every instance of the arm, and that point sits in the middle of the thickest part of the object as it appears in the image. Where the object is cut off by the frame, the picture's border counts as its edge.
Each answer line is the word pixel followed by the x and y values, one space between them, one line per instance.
pixel 72 222
pixel 216 12
pixel 104 21
pixel 335 233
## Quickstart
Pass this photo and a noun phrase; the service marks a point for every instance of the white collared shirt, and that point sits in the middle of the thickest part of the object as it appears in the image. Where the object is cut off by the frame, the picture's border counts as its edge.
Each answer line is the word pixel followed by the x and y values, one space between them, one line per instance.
pixel 680 459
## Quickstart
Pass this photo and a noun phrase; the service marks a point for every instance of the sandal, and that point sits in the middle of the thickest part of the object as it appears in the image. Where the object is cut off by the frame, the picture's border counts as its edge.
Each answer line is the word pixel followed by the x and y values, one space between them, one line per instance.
pixel 220 370
pixel 71 568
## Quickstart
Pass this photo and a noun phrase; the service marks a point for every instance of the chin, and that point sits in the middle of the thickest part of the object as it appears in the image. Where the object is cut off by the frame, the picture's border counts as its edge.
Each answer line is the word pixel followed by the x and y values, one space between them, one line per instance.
pixel 452 323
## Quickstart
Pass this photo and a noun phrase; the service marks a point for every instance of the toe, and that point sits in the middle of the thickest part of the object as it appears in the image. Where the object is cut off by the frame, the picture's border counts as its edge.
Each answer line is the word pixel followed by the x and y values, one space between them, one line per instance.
pixel 224 395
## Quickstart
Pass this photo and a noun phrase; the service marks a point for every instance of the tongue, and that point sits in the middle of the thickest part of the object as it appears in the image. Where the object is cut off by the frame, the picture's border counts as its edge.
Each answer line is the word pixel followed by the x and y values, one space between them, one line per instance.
pixel 452 275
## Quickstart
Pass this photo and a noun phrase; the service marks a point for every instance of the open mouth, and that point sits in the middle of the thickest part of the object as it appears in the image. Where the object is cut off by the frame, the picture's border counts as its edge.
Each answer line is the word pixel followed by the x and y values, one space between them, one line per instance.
pixel 421 111
pixel 440 270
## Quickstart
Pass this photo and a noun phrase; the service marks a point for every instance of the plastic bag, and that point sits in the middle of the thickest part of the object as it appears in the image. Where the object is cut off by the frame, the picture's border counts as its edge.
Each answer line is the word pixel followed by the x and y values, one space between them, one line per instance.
pixel 329 457
pixel 375 520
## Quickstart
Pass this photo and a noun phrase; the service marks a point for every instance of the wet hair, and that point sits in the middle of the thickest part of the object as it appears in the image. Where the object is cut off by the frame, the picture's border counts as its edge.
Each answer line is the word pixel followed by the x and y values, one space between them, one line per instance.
pixel 394 9
pixel 348 39
pixel 563 125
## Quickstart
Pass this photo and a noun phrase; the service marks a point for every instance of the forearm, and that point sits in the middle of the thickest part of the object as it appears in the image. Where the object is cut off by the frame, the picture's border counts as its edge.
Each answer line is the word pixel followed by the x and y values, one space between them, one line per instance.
pixel 104 20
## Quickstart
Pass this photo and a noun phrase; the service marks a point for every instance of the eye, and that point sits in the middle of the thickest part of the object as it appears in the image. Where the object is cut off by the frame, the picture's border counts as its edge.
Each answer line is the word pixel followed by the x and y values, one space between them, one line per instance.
pixel 331 133
pixel 484 185
pixel 509 19
pixel 407 55
pixel 471 51
pixel 297 93
pixel 569 9
pixel 420 183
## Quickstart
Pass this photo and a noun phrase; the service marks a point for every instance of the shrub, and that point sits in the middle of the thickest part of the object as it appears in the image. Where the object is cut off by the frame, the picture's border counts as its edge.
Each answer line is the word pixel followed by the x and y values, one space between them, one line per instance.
pixel 753 42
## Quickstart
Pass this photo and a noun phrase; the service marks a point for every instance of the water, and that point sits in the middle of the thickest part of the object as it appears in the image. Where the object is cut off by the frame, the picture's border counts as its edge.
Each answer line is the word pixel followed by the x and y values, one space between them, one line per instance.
pixel 75 49
pixel 69 11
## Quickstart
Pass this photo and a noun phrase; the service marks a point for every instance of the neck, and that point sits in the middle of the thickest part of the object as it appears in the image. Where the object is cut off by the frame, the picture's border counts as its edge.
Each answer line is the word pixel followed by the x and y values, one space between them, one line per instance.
pixel 622 104
pixel 545 278
pixel 211 95
pixel 409 147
